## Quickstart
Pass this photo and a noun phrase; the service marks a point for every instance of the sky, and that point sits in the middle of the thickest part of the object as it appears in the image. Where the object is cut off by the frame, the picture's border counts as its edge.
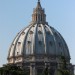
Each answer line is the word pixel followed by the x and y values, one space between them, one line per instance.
pixel 16 14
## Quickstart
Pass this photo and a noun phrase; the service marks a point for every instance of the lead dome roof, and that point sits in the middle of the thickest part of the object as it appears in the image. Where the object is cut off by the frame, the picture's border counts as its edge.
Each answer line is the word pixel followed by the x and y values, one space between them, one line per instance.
pixel 38 39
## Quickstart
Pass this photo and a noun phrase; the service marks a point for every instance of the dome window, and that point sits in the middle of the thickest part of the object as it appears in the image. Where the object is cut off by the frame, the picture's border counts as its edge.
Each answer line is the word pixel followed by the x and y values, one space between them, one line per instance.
pixel 19 43
pixel 31 32
pixel 50 43
pixel 33 26
pixel 39 25
pixel 17 53
pixel 60 45
pixel 39 32
pixel 40 42
pixel 13 44
pixel 23 33
pixel 29 42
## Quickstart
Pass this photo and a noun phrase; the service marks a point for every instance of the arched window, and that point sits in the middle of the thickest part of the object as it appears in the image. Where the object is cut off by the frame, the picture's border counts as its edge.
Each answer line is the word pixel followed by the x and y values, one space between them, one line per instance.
pixel 17 53
pixel 60 45
pixel 39 32
pixel 50 43
pixel 23 33
pixel 40 42
pixel 31 32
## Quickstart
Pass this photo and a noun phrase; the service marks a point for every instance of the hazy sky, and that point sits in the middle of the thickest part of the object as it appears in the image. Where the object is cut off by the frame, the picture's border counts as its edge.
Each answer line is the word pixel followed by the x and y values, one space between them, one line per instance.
pixel 16 14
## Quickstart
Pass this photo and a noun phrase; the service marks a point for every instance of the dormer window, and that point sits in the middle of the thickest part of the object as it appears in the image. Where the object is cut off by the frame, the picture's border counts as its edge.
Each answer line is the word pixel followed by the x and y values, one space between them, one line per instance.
pixel 39 32
pixel 13 44
pixel 60 45
pixel 33 26
pixel 29 42
pixel 50 43
pixel 40 42
pixel 23 33
pixel 31 32
pixel 17 53
pixel 19 43
pixel 39 25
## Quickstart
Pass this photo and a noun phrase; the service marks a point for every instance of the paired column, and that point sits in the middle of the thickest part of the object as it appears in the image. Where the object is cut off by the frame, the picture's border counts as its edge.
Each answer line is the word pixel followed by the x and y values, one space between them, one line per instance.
pixel 47 67
pixel 32 69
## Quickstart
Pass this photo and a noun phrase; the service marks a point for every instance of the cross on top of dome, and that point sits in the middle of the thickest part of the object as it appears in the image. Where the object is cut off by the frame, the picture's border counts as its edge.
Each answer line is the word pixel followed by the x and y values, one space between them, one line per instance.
pixel 38 4
pixel 38 0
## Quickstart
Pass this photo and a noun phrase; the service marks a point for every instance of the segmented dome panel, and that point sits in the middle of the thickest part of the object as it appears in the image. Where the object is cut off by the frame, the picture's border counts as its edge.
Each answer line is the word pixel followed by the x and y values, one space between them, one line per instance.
pixel 38 39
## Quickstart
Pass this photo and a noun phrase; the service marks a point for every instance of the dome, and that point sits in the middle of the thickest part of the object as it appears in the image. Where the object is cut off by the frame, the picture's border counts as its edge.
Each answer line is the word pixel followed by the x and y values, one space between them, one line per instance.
pixel 38 39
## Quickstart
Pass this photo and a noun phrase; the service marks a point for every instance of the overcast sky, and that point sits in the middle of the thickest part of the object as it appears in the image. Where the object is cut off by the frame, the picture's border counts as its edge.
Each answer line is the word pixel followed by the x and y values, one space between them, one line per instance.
pixel 16 14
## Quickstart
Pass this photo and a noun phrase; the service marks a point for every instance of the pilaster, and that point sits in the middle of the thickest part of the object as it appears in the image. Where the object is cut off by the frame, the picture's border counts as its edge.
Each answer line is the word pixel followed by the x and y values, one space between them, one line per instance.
pixel 32 69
